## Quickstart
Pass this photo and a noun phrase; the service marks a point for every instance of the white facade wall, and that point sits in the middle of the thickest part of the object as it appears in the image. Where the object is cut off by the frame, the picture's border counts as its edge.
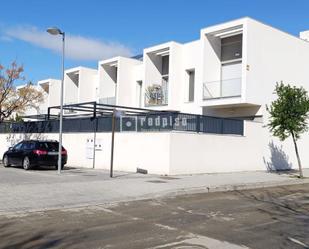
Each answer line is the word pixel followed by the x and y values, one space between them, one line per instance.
pixel 192 61
pixel 54 92
pixel 51 89
pixel 108 72
pixel 87 85
pixel 71 87
pixel 80 85
pixel 127 80
pixel 273 56
pixel 118 78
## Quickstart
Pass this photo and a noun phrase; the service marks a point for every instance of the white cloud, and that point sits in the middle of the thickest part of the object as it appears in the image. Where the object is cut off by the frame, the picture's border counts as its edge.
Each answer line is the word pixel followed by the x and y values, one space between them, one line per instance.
pixel 77 47
pixel 5 38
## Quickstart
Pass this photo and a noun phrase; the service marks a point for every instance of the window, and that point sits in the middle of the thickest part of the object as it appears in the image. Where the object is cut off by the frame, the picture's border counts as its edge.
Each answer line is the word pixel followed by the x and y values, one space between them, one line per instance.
pixel 190 84
pixel 54 146
pixel 18 146
pixel 231 48
pixel 28 146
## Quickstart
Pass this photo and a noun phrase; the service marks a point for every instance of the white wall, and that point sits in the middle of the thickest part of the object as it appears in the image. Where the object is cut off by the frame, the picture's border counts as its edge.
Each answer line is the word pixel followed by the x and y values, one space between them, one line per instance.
pixel 132 150
pixel 127 80
pixel 54 92
pixel 86 88
pixel 216 153
pixel 257 150
pixel 107 84
pixel 211 67
pixel 273 56
pixel 70 88
pixel 87 85
pixel 175 93
pixel 52 98
pixel 233 111
pixel 192 60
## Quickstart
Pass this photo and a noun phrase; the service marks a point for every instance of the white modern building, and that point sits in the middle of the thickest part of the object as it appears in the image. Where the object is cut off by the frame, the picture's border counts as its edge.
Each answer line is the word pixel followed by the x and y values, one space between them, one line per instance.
pixel 230 71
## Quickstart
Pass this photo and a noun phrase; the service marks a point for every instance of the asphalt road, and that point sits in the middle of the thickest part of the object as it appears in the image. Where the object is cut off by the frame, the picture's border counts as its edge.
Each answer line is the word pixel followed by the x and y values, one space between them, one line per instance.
pixel 270 218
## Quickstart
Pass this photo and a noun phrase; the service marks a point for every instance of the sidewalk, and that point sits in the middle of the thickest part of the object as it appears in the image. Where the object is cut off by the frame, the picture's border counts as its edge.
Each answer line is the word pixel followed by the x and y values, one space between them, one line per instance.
pixel 44 189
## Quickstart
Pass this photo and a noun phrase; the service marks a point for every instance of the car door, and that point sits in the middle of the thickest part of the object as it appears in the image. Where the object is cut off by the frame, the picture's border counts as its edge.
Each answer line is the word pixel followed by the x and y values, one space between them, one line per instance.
pixel 26 149
pixel 14 153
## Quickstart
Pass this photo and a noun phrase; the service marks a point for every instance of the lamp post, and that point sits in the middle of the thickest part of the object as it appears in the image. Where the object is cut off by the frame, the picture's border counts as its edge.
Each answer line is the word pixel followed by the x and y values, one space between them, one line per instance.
pixel 57 31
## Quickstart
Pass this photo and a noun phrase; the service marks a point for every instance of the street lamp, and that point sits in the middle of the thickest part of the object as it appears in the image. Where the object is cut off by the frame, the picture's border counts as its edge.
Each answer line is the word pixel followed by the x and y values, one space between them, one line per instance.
pixel 57 31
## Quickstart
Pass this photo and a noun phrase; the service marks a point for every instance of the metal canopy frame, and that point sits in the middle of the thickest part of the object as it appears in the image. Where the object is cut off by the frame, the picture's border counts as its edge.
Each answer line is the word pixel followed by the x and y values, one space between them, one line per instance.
pixel 92 110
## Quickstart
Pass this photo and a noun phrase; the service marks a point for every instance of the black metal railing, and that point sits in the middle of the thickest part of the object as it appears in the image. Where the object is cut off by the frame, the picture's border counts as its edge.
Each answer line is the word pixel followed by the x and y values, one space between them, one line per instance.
pixel 149 122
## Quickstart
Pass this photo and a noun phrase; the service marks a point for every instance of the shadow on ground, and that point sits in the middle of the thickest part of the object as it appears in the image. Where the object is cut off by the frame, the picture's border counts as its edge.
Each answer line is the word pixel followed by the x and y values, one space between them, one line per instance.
pixel 287 207
pixel 12 239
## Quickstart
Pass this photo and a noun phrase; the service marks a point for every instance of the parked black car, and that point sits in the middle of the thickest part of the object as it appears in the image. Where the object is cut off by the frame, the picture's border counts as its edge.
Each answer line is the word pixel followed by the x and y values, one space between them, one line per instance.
pixel 31 153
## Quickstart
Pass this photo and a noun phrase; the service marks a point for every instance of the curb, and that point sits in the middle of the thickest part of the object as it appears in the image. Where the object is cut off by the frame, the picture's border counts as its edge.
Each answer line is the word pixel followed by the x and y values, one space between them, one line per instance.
pixel 227 188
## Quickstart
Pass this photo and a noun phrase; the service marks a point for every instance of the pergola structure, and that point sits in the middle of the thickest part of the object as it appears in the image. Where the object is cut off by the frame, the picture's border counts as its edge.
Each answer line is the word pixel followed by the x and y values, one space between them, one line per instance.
pixel 93 110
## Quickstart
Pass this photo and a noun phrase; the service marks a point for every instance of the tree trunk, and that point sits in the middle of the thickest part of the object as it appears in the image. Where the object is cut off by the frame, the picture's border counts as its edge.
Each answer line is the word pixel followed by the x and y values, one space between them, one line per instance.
pixel 297 155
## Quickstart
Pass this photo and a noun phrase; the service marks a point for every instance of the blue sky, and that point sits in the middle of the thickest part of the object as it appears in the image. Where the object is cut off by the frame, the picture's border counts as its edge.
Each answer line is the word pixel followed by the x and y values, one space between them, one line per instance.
pixel 99 29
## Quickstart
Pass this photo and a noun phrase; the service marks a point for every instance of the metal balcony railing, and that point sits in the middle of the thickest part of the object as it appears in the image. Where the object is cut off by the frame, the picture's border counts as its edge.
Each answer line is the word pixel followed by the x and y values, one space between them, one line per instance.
pixel 222 88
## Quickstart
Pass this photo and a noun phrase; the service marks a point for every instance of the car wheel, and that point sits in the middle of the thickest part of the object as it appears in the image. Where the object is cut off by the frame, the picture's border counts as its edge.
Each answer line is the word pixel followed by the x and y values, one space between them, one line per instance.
pixel 26 163
pixel 6 161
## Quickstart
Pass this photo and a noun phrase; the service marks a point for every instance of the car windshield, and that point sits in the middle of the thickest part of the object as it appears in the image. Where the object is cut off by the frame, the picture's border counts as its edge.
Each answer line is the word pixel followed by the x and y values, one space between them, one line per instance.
pixel 53 146
pixel 18 146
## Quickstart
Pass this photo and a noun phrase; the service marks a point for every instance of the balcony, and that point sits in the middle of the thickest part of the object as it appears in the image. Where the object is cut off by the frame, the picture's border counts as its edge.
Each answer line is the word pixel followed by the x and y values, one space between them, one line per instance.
pixel 157 94
pixel 222 89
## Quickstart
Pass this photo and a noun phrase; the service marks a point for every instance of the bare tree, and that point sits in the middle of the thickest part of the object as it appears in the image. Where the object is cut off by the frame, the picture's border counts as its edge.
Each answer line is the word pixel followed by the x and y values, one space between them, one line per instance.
pixel 16 100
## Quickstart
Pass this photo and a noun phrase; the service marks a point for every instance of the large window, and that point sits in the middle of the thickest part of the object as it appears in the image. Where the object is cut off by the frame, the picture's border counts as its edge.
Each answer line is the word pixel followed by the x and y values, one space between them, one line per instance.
pixel 231 48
